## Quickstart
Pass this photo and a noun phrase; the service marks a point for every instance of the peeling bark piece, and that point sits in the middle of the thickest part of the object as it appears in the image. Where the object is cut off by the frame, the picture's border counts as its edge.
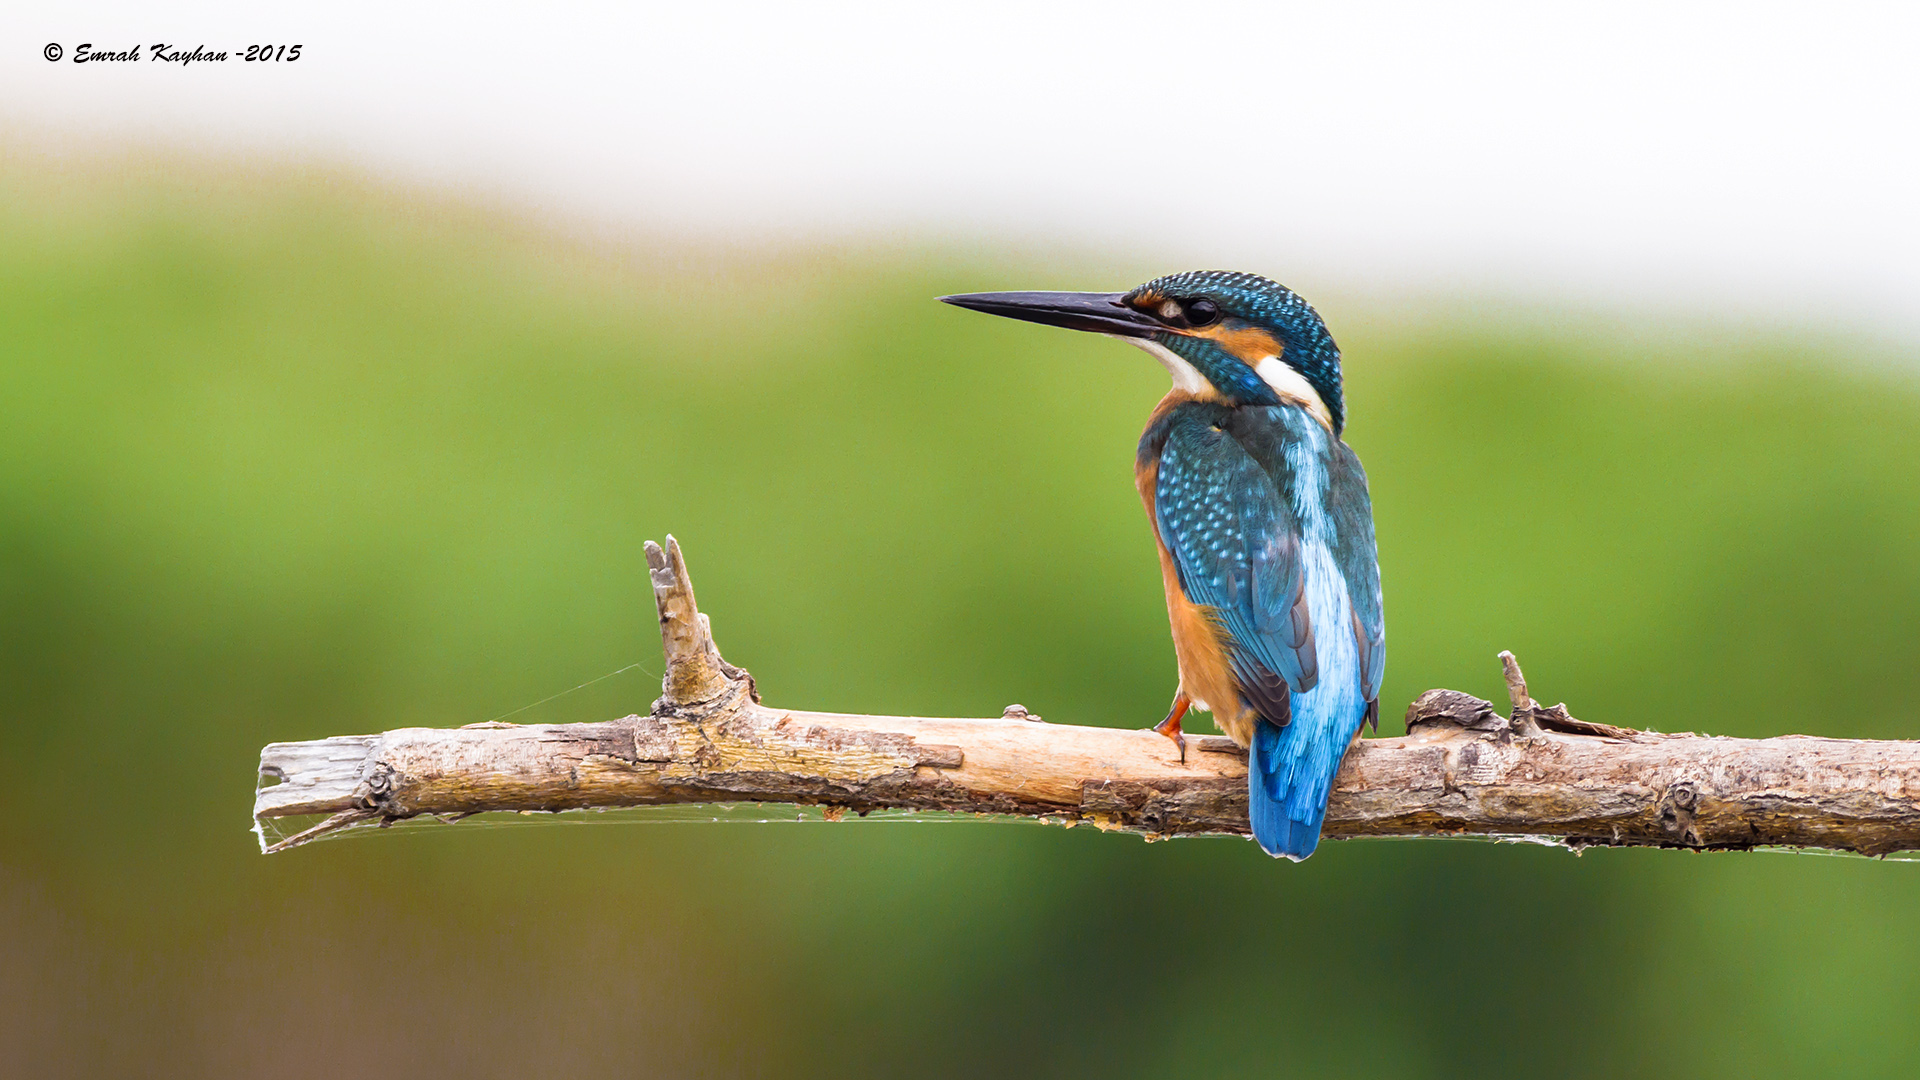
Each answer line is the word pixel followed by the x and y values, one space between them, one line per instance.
pixel 1557 719
pixel 1451 707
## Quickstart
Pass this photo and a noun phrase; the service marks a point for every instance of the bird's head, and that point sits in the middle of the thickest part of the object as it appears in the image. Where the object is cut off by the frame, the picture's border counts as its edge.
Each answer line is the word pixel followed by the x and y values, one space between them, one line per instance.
pixel 1239 338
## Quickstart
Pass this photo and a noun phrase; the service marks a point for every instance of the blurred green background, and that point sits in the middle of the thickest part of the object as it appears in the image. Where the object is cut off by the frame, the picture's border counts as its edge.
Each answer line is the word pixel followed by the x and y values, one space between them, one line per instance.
pixel 284 455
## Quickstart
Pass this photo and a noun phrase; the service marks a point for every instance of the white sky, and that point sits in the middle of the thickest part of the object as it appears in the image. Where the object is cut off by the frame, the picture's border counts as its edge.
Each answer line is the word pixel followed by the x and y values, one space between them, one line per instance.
pixel 1743 158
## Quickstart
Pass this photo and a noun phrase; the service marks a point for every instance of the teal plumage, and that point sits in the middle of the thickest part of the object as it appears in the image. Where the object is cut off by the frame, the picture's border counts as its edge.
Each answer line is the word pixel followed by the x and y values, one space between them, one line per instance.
pixel 1265 526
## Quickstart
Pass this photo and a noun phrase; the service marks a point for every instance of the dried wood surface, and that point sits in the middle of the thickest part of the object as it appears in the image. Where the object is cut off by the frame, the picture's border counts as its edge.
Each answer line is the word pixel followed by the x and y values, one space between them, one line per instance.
pixel 1462 768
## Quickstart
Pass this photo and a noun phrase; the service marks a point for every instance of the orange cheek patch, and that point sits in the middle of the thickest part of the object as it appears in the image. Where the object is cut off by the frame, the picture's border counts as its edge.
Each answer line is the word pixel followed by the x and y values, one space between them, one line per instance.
pixel 1250 344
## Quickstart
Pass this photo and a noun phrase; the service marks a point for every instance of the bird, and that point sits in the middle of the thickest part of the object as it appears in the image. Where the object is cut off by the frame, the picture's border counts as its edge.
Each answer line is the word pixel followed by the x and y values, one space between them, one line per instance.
pixel 1263 522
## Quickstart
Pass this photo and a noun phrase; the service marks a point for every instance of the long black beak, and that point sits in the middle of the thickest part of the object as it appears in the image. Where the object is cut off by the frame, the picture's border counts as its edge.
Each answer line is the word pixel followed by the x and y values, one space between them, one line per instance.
pixel 1101 313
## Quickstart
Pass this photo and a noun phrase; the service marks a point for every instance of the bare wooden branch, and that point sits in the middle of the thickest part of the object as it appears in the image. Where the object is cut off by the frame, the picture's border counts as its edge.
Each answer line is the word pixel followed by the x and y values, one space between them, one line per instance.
pixel 1461 769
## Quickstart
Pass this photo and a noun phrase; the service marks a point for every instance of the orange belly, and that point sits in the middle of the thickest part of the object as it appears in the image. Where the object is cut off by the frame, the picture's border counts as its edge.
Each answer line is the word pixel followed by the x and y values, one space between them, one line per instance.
pixel 1199 649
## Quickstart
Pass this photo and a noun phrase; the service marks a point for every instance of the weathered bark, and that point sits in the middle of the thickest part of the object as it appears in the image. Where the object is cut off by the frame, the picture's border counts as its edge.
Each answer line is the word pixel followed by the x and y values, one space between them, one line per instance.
pixel 1461 769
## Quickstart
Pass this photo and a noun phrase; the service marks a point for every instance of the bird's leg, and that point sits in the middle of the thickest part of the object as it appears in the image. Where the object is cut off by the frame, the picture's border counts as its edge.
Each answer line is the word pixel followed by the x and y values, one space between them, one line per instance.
pixel 1170 727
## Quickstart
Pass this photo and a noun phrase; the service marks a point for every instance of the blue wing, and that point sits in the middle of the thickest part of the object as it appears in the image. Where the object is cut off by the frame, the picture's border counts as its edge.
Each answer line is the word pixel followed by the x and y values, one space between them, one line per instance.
pixel 1236 547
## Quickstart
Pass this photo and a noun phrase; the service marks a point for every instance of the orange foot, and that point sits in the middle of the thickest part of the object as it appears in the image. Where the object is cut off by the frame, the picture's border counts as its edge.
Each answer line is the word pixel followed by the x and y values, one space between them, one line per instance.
pixel 1170 727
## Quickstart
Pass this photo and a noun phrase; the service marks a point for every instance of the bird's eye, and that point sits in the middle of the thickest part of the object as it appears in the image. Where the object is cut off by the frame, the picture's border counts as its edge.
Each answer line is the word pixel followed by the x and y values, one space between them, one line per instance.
pixel 1202 312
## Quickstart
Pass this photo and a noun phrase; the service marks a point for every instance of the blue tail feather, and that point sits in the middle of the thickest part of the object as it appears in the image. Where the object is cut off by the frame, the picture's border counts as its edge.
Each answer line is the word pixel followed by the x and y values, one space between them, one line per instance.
pixel 1290 772
pixel 1283 822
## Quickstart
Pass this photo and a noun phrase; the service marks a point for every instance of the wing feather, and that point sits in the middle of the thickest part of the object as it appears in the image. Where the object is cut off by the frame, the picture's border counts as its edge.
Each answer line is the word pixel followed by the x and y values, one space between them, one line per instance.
pixel 1236 546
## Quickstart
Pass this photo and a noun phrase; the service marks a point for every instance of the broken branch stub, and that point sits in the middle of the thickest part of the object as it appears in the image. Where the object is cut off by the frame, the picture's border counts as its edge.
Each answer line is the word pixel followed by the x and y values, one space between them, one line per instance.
pixel 1461 769
pixel 696 675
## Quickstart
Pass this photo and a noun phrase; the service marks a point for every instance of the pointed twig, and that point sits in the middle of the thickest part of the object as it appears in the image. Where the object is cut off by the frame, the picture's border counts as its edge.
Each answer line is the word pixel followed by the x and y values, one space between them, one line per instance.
pixel 1521 719
pixel 1516 682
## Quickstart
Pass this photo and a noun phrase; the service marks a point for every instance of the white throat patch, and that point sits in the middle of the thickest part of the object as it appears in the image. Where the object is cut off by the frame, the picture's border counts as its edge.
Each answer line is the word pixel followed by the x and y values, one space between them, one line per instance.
pixel 1185 376
pixel 1292 386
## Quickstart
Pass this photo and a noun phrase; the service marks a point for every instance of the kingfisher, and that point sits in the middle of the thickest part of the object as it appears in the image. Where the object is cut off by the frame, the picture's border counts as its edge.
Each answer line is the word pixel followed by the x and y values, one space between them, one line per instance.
pixel 1265 529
